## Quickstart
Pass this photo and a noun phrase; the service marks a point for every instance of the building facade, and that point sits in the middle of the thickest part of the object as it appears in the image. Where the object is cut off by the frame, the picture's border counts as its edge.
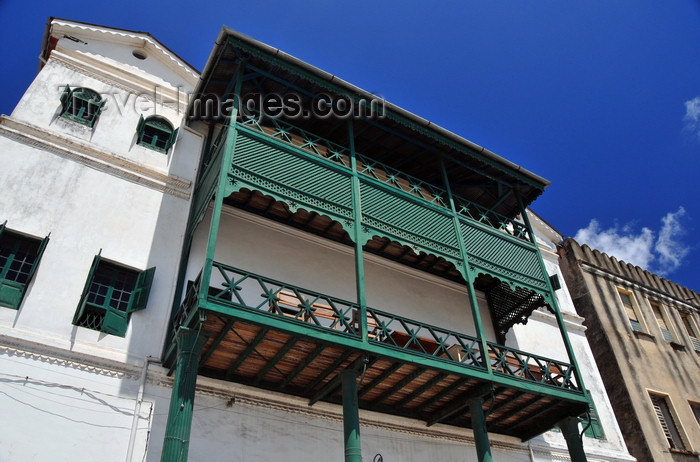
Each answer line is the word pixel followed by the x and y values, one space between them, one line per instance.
pixel 644 333
pixel 327 274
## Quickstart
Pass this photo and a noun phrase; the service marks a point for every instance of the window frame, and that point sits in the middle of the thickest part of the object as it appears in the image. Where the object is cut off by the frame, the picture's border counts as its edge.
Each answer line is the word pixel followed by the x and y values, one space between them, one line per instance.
pixel 69 98
pixel 156 122
pixel 641 324
pixel 668 333
pixel 689 324
pixel 669 432
pixel 114 320
pixel 12 291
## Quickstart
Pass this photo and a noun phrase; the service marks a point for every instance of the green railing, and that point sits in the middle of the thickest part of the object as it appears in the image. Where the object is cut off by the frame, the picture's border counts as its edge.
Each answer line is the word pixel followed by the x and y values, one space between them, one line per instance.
pixel 240 289
pixel 326 149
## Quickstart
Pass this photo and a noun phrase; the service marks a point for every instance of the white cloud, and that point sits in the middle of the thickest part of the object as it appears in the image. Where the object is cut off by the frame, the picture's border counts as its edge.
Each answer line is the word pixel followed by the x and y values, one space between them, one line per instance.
pixel 692 115
pixel 660 255
pixel 623 244
pixel 671 252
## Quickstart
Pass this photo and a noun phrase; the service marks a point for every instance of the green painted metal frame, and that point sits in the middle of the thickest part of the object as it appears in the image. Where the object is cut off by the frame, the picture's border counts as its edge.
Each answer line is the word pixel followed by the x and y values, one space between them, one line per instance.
pixel 250 298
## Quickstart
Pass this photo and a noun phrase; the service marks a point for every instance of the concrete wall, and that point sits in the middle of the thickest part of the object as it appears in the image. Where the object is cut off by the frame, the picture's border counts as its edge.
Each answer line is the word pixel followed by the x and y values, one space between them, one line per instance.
pixel 632 364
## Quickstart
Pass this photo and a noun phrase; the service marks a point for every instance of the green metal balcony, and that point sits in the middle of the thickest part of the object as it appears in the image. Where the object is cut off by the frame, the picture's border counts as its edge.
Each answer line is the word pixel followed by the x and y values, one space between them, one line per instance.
pixel 278 336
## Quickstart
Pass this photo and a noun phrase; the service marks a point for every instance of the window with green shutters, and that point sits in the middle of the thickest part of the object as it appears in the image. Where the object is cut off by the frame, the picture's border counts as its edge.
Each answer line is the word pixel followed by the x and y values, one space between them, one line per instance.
pixel 156 133
pixel 81 105
pixel 591 423
pixel 112 292
pixel 19 259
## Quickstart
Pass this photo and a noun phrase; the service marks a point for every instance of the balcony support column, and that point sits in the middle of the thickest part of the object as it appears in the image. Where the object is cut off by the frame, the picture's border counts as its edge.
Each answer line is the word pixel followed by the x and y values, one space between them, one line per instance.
pixel 481 436
pixel 225 168
pixel 177 430
pixel 351 416
pixel 554 304
pixel 569 428
pixel 467 274
pixel 358 238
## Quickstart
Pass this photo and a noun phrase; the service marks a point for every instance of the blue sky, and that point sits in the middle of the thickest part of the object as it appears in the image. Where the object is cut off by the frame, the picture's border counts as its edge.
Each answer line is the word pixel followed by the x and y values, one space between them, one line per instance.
pixel 601 98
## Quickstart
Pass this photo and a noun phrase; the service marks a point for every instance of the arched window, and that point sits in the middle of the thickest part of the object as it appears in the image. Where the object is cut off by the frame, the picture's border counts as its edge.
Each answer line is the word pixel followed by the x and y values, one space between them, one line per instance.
pixel 81 105
pixel 156 133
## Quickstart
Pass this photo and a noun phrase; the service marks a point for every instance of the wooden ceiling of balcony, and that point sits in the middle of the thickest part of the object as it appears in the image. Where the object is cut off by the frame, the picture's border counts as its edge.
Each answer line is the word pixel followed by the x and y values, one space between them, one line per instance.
pixel 261 357
pixel 324 226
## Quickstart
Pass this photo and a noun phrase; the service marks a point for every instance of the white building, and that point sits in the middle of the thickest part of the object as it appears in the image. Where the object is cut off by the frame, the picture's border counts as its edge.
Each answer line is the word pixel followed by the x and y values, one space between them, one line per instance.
pixel 367 316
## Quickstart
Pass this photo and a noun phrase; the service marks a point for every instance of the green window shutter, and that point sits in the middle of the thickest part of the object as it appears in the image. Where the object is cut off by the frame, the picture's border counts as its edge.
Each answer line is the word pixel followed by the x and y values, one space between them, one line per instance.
pixel 86 289
pixel 139 127
pixel 65 96
pixel 172 139
pixel 115 322
pixel 554 280
pixel 139 297
pixel 11 294
pixel 39 253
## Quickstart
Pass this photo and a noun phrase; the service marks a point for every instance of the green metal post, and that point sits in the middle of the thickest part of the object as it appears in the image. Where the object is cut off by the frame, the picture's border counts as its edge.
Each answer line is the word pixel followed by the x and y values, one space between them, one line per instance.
pixel 177 431
pixel 351 416
pixel 226 162
pixel 467 273
pixel 555 305
pixel 358 237
pixel 569 428
pixel 481 436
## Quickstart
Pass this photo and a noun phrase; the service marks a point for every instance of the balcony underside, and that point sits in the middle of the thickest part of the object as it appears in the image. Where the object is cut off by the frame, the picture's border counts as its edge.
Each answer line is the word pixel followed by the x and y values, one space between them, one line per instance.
pixel 276 336
pixel 259 356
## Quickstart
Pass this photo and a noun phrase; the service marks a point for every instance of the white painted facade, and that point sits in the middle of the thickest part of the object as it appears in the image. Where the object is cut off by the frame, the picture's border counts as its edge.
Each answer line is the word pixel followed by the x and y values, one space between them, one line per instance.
pixel 72 393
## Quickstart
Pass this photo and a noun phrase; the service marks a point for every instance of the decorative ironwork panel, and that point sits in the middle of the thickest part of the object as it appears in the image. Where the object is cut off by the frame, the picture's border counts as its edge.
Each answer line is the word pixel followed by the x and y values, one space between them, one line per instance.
pixel 503 258
pixel 409 222
pixel 243 289
pixel 291 177
pixel 424 339
pixel 519 364
pixel 490 218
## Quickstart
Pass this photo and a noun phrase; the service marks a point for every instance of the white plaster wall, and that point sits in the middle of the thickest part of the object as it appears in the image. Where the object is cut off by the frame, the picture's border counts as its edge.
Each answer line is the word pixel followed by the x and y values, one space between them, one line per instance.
pixel 86 210
pixel 61 411
pixel 288 255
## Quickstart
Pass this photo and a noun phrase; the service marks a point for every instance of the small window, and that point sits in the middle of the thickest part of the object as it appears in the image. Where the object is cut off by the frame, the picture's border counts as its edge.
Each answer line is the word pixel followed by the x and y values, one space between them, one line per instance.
pixel 662 321
pixel 112 292
pixel 696 411
pixel 19 258
pixel 667 421
pixel 691 329
pixel 630 309
pixel 156 133
pixel 81 105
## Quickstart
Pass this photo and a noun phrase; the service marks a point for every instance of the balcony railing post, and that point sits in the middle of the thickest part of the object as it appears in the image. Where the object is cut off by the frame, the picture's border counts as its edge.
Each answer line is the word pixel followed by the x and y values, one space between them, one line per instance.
pixel 351 416
pixel 570 430
pixel 481 436
pixel 358 237
pixel 177 431
pixel 467 274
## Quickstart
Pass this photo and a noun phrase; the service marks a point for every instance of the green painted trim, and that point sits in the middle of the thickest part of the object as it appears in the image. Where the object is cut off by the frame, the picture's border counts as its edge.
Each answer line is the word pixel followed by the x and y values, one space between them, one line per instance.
pixel 229 151
pixel 481 436
pixel 348 341
pixel 569 428
pixel 177 430
pixel 351 417
pixel 466 273
pixel 358 236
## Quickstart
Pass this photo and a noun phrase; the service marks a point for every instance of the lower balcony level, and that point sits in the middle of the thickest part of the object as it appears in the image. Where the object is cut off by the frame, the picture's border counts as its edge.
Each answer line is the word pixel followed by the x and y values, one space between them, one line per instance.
pixel 272 335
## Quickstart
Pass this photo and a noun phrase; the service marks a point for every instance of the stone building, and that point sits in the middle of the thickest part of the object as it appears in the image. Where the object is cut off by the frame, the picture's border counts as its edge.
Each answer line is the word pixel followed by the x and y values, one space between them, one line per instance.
pixel 307 261
pixel 644 331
